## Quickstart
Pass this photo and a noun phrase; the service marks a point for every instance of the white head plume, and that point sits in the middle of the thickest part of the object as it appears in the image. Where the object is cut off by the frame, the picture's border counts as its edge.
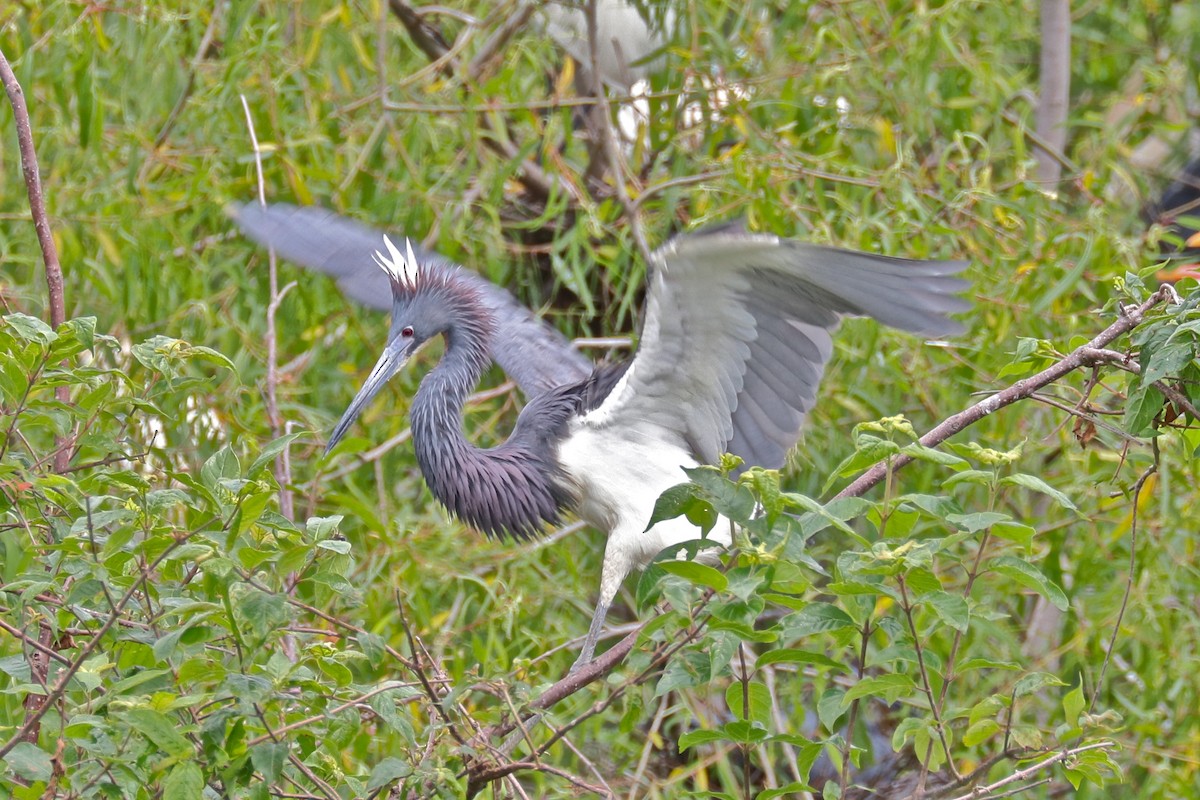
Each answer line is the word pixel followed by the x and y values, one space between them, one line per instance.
pixel 400 267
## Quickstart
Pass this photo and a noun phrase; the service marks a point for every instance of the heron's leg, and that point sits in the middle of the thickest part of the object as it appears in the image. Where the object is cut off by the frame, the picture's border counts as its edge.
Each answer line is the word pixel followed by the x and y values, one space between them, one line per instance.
pixel 611 575
pixel 589 644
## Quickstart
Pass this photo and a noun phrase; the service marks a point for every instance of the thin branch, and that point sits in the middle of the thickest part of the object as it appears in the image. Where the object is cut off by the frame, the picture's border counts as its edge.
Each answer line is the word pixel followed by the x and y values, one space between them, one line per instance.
pixel 1083 356
pixel 282 466
pixel 1033 769
pixel 33 186
pixel 1112 642
pixel 513 22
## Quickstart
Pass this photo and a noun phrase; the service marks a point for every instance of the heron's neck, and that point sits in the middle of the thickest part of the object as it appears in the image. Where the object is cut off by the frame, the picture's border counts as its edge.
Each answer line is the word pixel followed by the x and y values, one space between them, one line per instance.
pixel 503 490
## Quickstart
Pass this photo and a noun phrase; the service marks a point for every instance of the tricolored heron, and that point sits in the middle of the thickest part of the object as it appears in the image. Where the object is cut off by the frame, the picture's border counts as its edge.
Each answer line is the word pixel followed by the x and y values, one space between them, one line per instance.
pixel 735 335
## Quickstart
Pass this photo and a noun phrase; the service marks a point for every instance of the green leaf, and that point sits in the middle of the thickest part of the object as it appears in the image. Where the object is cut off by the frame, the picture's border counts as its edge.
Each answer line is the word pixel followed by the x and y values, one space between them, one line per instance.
pixel 980 732
pixel 696 573
pixel 889 687
pixel 160 729
pixel 272 449
pixel 1030 577
pixel 1073 704
pixel 793 789
pixel 388 770
pixel 816 618
pixel 979 477
pixel 1035 682
pixel 760 701
pixel 787 655
pixel 1141 408
pixel 951 608
pixel 923 453
pixel 269 758
pixel 1038 485
pixel 979 521
pixel 693 738
pixel 221 465
pixel 1014 532
pixel 30 762
pixel 184 782
pixel 744 731
pixel 830 708
pixel 31 329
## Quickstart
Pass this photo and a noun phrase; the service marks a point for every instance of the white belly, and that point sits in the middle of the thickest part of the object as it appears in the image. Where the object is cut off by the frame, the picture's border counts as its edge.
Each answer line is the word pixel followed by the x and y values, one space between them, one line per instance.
pixel 619 476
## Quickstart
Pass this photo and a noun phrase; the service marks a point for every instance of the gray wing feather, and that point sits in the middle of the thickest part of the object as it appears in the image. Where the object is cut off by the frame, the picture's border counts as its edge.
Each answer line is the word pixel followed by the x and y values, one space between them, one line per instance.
pixel 531 352
pixel 739 327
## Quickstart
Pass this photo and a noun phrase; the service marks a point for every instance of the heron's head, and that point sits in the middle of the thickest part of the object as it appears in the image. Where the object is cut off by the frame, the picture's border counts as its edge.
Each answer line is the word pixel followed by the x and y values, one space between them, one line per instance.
pixel 418 314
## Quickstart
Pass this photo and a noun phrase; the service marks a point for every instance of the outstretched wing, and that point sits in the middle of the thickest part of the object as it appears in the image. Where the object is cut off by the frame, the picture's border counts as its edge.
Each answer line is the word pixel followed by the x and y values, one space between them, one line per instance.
pixel 738 330
pixel 533 354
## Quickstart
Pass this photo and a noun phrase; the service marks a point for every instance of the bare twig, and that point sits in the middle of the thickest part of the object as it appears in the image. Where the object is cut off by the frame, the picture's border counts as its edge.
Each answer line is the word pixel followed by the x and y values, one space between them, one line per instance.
pixel 1112 642
pixel 34 718
pixel 1083 356
pixel 514 21
pixel 1033 769
pixel 282 467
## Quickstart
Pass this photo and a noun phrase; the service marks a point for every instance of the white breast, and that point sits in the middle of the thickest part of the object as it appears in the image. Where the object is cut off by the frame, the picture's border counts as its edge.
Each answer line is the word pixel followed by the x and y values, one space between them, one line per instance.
pixel 619 476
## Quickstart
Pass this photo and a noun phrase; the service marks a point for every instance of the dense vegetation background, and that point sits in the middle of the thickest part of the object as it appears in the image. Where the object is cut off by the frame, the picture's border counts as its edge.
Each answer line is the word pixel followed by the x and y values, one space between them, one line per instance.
pixel 168 629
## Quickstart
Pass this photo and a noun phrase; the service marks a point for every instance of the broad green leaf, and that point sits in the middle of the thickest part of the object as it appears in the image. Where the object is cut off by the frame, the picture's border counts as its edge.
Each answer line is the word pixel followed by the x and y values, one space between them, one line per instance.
pixel 888 687
pixel 1038 485
pixel 222 465
pixel 185 781
pixel 951 608
pixel 268 758
pixel 31 329
pixel 388 770
pixel 160 729
pixel 693 738
pixel 1030 577
pixel 979 521
pixel 1035 682
pixel 923 453
pixel 30 762
pixel 760 701
pixel 744 731
pixel 695 573
pixel 980 732
pixel 1073 704
pixel 816 618
pixel 789 655
pixel 1141 408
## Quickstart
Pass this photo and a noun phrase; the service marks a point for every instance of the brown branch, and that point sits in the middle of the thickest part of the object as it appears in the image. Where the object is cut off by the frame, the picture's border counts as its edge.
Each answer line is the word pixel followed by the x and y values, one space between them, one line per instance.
pixel 430 41
pixel 1084 356
pixel 39 663
pixel 513 22
pixel 1033 769
pixel 33 720
pixel 33 185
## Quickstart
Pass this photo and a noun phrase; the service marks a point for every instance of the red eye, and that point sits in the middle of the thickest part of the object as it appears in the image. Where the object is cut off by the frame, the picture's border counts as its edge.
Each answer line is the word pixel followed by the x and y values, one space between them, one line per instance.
pixel 407 332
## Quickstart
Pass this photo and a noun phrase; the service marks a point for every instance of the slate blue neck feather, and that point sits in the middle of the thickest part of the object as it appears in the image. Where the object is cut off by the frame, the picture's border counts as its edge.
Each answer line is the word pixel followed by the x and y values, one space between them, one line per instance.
pixel 508 489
